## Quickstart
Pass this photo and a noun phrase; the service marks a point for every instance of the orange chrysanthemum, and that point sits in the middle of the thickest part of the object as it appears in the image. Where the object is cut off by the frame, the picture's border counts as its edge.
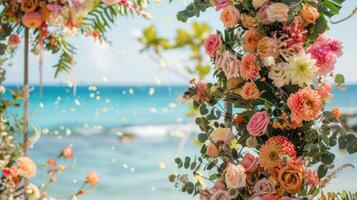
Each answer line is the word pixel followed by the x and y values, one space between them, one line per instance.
pixel 273 151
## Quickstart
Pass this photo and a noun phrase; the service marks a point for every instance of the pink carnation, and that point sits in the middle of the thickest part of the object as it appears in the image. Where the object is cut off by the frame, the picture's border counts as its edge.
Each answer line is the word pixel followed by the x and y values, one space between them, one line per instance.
pixel 325 51
pixel 212 44
pixel 258 124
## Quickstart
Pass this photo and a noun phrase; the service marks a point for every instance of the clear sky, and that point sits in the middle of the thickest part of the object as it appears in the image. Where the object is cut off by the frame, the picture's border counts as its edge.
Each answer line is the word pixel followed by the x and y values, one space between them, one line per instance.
pixel 121 63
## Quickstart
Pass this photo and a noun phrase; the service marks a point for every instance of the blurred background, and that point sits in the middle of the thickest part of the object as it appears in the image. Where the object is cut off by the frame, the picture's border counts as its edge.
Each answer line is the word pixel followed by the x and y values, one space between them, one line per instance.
pixel 127 120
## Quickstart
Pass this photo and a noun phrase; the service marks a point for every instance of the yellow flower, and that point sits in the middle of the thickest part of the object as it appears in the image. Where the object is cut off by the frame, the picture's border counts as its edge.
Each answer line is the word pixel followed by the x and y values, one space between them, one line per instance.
pixel 234 144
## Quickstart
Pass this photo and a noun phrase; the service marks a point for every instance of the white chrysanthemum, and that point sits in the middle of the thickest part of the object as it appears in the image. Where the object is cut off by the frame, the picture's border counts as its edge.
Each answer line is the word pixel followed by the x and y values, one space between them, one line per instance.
pixel 302 69
pixel 278 74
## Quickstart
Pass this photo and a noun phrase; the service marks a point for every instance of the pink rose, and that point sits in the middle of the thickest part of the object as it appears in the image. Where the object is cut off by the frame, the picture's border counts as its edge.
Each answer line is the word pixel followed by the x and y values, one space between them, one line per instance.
pixel 230 65
pixel 264 186
pixel 212 44
pixel 249 162
pixel 258 124
pixel 325 91
pixel 235 176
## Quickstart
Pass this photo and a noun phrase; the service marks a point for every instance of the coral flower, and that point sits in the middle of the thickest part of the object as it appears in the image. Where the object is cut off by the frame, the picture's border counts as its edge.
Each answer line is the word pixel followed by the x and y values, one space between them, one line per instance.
pixel 67 152
pixel 230 16
pixel 249 69
pixel 336 113
pixel 325 92
pixel 14 40
pixel 251 39
pixel 305 105
pixel 250 91
pixel 272 152
pixel 92 178
pixel 311 177
pixel 32 20
pixel 26 167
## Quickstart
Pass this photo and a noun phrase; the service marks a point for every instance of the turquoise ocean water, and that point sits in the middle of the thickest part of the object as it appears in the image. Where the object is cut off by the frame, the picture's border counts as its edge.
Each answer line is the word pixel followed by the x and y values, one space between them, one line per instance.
pixel 94 119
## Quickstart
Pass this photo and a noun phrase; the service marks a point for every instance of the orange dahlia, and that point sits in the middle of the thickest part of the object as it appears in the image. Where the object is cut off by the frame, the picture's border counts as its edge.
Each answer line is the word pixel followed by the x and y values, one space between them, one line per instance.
pixel 274 150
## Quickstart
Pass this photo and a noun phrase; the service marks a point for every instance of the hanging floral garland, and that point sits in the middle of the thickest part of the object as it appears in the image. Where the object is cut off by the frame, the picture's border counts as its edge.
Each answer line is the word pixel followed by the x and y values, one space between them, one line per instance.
pixel 46 26
pixel 273 64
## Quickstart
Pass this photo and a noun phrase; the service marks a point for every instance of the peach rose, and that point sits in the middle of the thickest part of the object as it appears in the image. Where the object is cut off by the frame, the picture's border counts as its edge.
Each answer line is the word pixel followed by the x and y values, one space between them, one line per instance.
pixel 309 13
pixel 249 69
pixel 268 47
pixel 67 152
pixel 248 21
pixel 251 39
pixel 212 150
pixel 259 3
pixel 230 16
pixel 235 176
pixel 249 162
pixel 258 124
pixel 250 91
pixel 26 167
pixel 212 44
pixel 32 20
pixel 222 135
pixel 264 186
pixel 291 177
pixel 92 178
pixel 278 12
pixel 325 91
pixel 230 65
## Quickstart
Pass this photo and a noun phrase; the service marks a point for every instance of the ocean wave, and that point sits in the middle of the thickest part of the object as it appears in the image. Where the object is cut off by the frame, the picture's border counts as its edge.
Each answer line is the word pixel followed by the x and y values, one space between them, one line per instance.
pixel 143 131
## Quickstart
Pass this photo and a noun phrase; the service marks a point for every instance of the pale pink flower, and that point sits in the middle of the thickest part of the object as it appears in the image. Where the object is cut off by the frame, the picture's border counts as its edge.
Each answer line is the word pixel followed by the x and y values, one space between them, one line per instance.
pixel 212 44
pixel 264 186
pixel 230 65
pixel 277 12
pixel 258 124
pixel 222 135
pixel 235 176
pixel 220 195
pixel 259 3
